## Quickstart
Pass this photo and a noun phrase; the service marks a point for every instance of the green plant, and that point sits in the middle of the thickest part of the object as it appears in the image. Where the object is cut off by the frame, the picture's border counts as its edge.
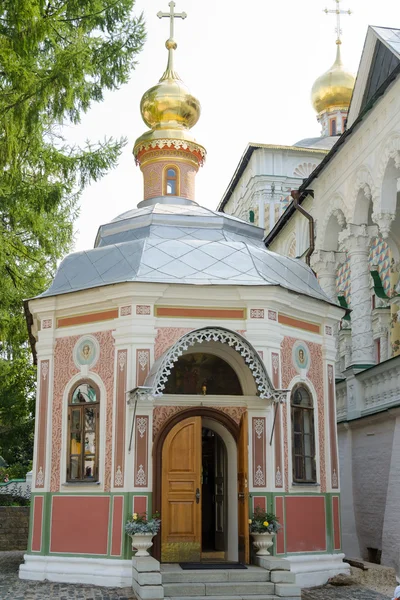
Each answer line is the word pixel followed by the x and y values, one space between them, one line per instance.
pixel 264 522
pixel 140 524
pixel 14 495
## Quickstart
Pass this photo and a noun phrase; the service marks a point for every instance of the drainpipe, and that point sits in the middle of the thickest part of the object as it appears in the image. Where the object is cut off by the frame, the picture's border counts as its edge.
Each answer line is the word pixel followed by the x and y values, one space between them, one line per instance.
pixel 296 196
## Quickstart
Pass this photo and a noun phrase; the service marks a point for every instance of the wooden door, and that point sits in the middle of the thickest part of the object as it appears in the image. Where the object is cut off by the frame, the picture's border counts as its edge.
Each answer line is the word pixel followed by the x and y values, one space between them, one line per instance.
pixel 243 491
pixel 181 485
pixel 219 493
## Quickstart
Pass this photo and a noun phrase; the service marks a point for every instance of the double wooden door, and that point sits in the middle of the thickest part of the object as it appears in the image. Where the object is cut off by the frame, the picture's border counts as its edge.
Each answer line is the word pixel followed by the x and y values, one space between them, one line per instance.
pixel 181 493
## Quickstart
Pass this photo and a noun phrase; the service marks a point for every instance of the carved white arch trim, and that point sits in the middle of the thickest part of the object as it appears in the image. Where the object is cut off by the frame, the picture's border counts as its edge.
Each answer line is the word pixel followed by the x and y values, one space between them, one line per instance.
pixel 156 380
pixel 338 209
pixel 390 150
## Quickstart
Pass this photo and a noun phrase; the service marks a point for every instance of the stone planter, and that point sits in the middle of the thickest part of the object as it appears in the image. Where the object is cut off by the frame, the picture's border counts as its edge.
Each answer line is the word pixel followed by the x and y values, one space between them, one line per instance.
pixel 141 542
pixel 263 541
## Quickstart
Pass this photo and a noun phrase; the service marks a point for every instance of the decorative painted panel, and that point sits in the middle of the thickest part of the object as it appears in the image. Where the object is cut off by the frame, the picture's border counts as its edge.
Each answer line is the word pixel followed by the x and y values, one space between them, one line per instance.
pixel 278 423
pixel 125 311
pixel 332 428
pixel 142 365
pixel 280 513
pixel 143 309
pixel 42 425
pixel 37 525
pixel 260 502
pixel 119 459
pixel 117 525
pixel 272 315
pixel 256 313
pixel 79 524
pixel 336 523
pixel 259 452
pixel 307 534
pixel 141 451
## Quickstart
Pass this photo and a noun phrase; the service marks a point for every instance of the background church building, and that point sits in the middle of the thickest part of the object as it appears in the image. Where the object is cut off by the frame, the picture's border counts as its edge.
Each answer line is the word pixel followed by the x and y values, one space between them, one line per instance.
pixel 344 219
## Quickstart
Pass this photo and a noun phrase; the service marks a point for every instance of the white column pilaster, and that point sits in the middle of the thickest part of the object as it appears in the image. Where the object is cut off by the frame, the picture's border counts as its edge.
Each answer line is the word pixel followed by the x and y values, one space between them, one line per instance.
pixel 356 240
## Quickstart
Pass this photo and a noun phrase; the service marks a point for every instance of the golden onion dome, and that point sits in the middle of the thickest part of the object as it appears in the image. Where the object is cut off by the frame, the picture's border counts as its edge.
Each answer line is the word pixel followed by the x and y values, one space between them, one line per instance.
pixel 169 105
pixel 334 88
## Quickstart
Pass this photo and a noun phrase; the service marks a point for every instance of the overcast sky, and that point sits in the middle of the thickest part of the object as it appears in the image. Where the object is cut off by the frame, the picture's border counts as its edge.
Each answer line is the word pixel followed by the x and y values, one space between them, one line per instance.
pixel 251 64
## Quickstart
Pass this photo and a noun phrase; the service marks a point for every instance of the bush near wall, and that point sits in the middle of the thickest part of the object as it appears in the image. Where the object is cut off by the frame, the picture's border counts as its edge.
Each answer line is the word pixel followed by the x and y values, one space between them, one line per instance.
pixel 14 527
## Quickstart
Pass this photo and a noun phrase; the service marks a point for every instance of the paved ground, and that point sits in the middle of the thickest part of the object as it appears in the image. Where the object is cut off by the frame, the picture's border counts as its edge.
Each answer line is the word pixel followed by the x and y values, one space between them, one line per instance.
pixel 12 588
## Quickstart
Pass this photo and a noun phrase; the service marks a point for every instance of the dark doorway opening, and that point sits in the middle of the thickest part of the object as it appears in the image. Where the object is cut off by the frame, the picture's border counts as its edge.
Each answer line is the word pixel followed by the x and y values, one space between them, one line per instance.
pixel 213 518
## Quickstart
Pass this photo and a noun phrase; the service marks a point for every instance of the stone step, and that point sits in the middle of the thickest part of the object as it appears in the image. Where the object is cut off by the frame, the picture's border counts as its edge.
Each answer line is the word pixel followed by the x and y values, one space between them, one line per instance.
pixel 254 574
pixel 228 589
pixel 259 597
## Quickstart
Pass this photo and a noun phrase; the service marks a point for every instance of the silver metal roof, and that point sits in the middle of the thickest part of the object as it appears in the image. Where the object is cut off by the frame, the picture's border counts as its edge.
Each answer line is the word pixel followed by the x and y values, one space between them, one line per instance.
pixel 185 244
pixel 390 37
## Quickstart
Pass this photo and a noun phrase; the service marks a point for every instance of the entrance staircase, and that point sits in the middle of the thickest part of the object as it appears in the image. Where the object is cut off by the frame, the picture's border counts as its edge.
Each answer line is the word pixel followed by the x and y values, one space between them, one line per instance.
pixel 269 581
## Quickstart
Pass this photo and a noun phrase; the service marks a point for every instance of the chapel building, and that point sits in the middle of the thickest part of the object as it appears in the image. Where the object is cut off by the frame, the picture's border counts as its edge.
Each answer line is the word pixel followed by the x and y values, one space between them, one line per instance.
pixel 184 368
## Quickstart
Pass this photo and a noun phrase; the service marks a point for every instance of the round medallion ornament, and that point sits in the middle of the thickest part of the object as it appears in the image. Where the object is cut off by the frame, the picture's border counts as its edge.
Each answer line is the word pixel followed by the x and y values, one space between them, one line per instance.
pixel 86 351
pixel 301 356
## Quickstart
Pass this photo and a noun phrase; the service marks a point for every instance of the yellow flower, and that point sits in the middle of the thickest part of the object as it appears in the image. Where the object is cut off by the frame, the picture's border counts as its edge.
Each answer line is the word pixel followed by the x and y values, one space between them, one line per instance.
pixel 250 521
pixel 135 516
pixel 265 523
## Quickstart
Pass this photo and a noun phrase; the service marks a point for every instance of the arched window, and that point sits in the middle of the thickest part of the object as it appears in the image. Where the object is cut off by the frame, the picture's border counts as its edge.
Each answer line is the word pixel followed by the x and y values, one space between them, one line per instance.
pixel 83 432
pixel 333 128
pixel 303 436
pixel 171 182
pixel 251 216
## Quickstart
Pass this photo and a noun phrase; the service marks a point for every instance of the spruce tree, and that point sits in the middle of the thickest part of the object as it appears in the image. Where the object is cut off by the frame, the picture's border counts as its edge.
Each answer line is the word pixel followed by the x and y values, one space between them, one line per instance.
pixel 57 57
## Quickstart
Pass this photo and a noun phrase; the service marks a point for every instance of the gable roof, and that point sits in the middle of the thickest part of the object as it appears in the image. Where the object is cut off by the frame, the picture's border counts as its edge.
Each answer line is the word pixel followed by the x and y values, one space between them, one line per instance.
pixel 380 57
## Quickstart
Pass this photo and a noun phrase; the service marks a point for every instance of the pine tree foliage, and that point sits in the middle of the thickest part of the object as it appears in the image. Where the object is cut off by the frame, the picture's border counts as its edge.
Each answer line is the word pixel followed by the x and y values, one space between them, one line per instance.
pixel 57 58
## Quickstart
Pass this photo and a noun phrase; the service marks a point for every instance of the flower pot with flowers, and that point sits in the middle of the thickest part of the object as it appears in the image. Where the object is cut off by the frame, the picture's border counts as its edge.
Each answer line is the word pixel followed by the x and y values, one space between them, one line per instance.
pixel 263 527
pixel 142 530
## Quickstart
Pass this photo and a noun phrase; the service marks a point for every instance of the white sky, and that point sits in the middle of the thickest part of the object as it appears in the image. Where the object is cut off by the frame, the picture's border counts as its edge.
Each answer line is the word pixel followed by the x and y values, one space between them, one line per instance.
pixel 251 64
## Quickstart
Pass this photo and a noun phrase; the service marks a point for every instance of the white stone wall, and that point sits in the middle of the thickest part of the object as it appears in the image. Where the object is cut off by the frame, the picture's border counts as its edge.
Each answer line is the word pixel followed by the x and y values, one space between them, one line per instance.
pixel 372 441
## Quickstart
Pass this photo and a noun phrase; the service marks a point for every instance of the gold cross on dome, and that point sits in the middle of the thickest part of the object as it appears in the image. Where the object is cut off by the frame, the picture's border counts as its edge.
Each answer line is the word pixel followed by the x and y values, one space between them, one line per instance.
pixel 171 16
pixel 338 12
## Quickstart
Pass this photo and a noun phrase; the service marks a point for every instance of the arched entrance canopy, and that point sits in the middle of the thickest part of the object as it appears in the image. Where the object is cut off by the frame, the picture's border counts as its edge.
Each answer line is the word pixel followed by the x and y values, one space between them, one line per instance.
pixel 161 369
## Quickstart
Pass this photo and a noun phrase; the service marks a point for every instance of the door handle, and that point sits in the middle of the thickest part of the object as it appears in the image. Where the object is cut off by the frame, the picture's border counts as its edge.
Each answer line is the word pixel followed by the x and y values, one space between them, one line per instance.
pixel 197 495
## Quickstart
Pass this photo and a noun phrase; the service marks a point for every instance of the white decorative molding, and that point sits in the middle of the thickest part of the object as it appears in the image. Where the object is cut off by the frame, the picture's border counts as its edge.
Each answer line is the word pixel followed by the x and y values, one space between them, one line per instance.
pixel 278 478
pixel 122 356
pixel 259 478
pixel 141 425
pixel 384 221
pixel 259 427
pixel 40 478
pixel 140 478
pixel 171 143
pixel 143 359
pixel 335 482
pixel 236 341
pixel 45 369
pixel 118 479
pixel 304 170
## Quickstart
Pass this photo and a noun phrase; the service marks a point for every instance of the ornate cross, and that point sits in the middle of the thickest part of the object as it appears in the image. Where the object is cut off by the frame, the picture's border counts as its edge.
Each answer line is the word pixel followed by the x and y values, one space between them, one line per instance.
pixel 338 12
pixel 171 15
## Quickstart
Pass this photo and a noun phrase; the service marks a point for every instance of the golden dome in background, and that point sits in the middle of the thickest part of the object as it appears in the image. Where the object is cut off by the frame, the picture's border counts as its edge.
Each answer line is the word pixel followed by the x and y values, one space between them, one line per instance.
pixel 334 88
